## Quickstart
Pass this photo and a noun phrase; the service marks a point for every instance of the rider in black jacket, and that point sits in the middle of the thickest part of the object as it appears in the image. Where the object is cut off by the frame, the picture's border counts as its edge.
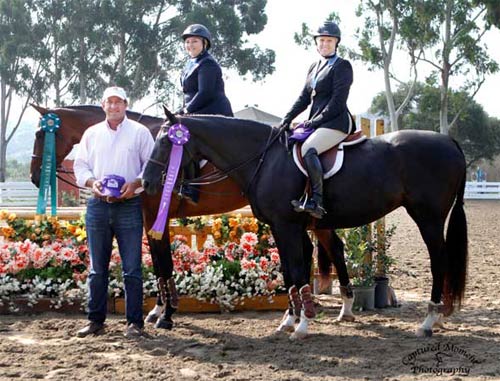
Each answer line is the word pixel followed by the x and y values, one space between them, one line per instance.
pixel 201 79
pixel 203 88
pixel 327 88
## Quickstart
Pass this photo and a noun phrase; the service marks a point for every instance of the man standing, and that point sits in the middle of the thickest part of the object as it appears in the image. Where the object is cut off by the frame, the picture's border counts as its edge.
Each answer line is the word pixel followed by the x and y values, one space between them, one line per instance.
pixel 110 160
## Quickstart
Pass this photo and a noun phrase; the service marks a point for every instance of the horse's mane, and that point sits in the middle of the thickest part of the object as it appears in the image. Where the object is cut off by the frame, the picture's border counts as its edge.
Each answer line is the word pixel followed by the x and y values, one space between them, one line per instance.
pixel 247 123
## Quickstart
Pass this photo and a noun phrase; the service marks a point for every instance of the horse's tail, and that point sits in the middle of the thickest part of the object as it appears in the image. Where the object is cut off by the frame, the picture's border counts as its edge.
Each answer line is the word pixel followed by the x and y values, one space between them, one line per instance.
pixel 456 249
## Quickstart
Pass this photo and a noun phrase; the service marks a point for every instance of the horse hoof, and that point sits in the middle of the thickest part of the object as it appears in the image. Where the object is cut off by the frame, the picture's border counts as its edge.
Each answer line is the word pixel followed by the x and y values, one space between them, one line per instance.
pixel 298 335
pixel 164 324
pixel 151 318
pixel 424 332
pixel 348 318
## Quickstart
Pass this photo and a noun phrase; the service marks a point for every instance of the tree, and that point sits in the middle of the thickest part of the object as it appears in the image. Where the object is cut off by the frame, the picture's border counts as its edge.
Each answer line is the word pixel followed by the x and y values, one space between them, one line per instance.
pixel 74 35
pixel 22 55
pixel 142 45
pixel 454 30
pixel 478 134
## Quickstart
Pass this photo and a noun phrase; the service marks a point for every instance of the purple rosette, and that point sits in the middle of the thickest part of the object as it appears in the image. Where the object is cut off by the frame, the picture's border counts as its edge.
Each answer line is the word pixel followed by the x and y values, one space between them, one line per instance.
pixel 178 134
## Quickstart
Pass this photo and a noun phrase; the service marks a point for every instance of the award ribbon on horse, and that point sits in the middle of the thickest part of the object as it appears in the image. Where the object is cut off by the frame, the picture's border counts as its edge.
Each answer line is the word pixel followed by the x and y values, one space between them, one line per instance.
pixel 178 134
pixel 49 123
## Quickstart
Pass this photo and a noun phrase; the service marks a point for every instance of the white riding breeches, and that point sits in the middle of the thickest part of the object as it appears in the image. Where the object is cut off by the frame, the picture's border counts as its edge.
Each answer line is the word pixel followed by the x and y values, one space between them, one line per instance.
pixel 322 140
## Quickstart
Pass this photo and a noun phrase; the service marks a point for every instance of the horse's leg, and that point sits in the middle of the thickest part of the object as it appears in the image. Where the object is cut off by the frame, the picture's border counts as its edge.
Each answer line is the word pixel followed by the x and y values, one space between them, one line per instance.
pixel 333 247
pixel 166 283
pixel 432 234
pixel 292 240
pixel 292 314
pixel 155 313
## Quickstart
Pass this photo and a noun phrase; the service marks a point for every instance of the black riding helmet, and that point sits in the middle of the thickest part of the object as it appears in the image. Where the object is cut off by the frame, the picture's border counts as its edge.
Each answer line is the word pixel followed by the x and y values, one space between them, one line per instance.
pixel 328 28
pixel 198 30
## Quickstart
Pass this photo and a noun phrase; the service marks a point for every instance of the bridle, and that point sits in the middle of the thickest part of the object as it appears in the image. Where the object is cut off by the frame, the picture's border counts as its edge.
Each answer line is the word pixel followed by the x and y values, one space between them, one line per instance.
pixel 59 168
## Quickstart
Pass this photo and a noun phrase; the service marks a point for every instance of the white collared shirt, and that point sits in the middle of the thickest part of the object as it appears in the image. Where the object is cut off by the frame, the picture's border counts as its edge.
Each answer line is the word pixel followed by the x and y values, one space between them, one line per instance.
pixel 103 151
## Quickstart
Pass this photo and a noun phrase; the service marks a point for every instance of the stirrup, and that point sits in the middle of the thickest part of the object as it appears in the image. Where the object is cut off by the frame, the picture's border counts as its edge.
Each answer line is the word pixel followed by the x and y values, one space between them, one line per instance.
pixel 298 205
pixel 301 206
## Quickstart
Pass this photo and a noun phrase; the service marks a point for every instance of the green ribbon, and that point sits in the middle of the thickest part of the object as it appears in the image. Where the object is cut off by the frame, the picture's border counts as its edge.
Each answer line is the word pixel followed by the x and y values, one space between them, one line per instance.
pixel 49 123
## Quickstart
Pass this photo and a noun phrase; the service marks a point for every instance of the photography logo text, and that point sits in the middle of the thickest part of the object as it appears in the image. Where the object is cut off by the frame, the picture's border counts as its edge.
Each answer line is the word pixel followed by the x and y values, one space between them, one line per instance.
pixel 441 359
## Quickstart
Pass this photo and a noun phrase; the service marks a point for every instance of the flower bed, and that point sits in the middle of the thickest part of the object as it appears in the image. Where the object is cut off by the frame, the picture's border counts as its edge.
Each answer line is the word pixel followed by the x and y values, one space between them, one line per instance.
pixel 49 259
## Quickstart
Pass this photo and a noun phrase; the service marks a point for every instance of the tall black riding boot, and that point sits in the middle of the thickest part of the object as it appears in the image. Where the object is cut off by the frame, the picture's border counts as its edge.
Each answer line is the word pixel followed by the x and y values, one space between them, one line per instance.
pixel 314 205
pixel 191 192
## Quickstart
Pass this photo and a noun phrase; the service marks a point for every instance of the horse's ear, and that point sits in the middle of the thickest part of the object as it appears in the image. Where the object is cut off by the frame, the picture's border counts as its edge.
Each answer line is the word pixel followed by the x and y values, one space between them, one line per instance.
pixel 40 109
pixel 171 117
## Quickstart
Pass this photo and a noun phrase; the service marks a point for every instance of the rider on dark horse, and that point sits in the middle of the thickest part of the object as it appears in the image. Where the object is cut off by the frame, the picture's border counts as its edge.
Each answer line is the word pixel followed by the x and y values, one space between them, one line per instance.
pixel 327 88
pixel 203 88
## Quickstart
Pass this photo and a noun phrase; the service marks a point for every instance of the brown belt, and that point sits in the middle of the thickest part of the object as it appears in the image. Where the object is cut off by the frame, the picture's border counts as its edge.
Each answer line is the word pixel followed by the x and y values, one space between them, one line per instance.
pixel 111 199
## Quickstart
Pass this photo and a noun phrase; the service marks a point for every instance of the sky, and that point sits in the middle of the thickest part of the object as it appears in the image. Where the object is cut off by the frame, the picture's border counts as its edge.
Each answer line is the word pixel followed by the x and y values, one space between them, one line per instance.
pixel 278 91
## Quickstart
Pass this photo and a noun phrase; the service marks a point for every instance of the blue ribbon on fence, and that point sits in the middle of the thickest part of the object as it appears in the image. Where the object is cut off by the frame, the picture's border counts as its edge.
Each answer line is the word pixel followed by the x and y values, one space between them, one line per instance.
pixel 49 123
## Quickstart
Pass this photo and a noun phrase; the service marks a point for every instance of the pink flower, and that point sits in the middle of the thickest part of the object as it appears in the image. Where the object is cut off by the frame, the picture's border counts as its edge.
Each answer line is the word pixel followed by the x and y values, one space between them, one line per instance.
pixel 248 264
pixel 40 258
pixel 25 246
pixel 275 257
pixel 146 259
pixel 249 238
pixel 264 263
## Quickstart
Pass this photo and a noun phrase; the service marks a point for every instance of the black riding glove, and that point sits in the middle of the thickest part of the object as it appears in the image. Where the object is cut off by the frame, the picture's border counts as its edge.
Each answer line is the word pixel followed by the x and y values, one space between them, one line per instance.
pixel 285 123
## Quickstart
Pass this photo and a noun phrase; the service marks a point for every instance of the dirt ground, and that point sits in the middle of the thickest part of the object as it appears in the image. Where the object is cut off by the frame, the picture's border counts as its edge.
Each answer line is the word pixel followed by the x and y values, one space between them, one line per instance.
pixel 379 345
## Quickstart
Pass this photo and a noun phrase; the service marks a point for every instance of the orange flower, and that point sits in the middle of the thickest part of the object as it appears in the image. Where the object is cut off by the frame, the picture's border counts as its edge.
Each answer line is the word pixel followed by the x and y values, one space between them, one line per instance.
pixel 12 217
pixel 3 214
pixel 7 231
pixel 216 234
pixel 233 222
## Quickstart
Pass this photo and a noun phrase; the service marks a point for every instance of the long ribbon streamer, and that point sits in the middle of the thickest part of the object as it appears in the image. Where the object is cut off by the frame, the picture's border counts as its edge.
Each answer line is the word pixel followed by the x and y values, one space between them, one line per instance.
pixel 178 135
pixel 49 123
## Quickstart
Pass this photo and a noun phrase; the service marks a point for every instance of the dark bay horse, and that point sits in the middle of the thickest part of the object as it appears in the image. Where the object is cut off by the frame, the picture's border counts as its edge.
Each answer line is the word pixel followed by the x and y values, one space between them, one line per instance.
pixel 220 197
pixel 420 170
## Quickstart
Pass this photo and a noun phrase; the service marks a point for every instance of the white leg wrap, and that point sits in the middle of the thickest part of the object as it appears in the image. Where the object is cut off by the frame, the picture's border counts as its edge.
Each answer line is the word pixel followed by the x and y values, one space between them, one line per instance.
pixel 346 311
pixel 433 317
pixel 287 323
pixel 301 330
pixel 154 314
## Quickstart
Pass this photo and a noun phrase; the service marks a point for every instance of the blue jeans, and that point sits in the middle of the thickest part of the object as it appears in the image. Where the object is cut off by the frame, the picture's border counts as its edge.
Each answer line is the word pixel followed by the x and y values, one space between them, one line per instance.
pixel 104 221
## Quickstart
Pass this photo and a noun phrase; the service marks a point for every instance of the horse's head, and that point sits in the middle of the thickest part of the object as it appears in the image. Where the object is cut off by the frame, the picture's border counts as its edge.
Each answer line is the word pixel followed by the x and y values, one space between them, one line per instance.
pixel 159 160
pixel 74 121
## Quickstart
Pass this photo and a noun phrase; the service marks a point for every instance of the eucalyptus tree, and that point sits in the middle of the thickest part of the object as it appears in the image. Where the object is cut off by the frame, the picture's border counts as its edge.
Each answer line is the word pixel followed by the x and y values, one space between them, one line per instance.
pixel 455 31
pixel 144 49
pixel 390 27
pixel 477 133
pixel 22 55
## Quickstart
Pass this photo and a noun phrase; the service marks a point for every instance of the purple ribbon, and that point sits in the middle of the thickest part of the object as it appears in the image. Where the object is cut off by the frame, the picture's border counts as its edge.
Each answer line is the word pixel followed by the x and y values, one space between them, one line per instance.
pixel 300 133
pixel 178 134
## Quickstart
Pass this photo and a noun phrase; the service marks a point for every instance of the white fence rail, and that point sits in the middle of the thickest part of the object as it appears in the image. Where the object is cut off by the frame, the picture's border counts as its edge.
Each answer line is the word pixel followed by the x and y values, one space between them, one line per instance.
pixel 18 193
pixel 24 193
pixel 482 191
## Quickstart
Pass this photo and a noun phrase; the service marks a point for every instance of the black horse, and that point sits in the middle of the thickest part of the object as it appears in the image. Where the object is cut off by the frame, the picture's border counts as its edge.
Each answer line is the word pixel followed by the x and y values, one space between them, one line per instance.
pixel 420 170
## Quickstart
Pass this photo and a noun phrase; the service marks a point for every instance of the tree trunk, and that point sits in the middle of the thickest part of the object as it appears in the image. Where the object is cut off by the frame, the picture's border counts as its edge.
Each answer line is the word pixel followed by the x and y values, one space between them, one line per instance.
pixel 3 129
pixel 445 70
pixel 81 75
